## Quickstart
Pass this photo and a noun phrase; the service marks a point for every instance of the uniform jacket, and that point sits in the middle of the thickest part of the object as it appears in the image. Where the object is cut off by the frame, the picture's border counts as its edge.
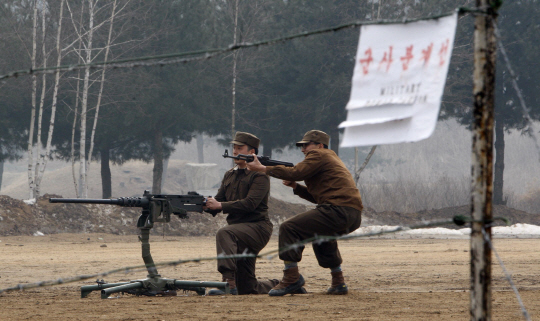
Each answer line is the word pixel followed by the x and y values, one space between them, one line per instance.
pixel 327 179
pixel 244 196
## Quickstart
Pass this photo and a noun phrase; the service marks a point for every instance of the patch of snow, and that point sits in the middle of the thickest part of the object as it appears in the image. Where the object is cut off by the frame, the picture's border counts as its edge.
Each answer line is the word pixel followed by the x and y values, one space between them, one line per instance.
pixel 435 231
pixel 38 233
pixel 517 230
pixel 31 201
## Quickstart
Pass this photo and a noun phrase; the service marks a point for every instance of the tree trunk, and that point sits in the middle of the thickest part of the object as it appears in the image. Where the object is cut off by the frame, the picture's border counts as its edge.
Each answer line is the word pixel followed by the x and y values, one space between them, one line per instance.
pixel 73 129
pixel 82 145
pixel 267 148
pixel 1 173
pixel 83 189
pixel 31 181
pixel 164 174
pixel 72 156
pixel 357 172
pixel 334 140
pixel 158 162
pixel 200 147
pixel 100 94
pixel 44 157
pixel 39 155
pixel 106 181
pixel 498 196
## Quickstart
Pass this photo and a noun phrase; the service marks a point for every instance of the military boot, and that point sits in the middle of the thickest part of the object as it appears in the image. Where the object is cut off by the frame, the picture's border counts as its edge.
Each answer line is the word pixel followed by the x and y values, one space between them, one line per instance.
pixel 292 282
pixel 302 290
pixel 232 288
pixel 338 284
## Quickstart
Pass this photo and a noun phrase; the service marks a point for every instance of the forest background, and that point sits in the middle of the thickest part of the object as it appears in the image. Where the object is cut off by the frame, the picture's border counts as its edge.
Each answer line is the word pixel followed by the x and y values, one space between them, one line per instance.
pixel 111 117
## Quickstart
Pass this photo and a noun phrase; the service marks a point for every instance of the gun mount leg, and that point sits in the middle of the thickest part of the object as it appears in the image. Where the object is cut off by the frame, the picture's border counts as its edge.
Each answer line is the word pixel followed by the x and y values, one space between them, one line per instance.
pixel 154 284
pixel 193 285
pixel 147 257
pixel 121 288
pixel 87 289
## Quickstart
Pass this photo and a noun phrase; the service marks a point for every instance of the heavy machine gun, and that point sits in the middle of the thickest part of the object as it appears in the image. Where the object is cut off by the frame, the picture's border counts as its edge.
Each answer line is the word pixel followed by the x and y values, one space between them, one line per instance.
pixel 155 208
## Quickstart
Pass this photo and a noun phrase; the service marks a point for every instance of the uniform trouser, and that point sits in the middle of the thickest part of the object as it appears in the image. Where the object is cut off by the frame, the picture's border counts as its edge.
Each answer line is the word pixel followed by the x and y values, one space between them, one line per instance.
pixel 324 220
pixel 244 238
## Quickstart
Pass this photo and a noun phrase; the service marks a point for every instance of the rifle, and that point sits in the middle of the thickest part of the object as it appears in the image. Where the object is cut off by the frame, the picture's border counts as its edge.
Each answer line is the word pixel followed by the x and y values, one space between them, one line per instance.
pixel 265 160
pixel 155 208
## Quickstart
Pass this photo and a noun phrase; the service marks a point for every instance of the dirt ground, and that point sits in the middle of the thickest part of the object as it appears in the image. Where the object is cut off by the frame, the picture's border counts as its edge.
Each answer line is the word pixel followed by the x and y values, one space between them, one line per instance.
pixel 412 279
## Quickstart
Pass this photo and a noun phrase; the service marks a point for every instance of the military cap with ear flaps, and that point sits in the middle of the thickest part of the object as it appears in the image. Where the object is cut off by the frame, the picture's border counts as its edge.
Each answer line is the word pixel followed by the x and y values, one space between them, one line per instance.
pixel 242 138
pixel 315 136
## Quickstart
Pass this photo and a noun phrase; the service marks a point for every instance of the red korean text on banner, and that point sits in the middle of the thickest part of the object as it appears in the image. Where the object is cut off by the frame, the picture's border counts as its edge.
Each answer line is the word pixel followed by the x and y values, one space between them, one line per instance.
pixel 366 61
pixel 387 59
pixel 443 52
pixel 405 60
pixel 426 54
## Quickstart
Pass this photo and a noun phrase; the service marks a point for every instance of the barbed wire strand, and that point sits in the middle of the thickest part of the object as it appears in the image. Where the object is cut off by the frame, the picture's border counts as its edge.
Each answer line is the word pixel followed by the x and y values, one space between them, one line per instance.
pixel 507 275
pixel 459 220
pixel 514 77
pixel 209 53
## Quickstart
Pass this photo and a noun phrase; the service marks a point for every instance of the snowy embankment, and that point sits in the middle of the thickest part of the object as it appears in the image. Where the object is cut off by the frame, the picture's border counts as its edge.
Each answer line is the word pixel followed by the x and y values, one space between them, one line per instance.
pixel 513 231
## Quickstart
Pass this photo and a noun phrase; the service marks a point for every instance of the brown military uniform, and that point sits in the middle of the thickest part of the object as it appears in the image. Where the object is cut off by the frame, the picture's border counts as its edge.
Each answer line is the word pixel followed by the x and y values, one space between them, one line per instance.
pixel 330 185
pixel 244 197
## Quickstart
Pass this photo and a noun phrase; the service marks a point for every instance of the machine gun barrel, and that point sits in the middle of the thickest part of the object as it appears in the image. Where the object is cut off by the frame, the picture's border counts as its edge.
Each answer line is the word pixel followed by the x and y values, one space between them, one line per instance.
pixel 122 201
pixel 265 160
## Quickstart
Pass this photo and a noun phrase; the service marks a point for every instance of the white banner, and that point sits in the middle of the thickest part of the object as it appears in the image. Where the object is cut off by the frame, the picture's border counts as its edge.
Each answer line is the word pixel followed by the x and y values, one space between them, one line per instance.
pixel 398 81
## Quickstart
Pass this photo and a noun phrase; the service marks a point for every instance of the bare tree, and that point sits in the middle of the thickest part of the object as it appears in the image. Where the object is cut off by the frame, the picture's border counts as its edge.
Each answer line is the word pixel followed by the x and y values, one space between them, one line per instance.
pixel 33 113
pixel 41 104
pixel 87 53
pixel 73 130
pixel 357 172
pixel 107 47
pixel 75 111
pixel 41 163
pixel 84 103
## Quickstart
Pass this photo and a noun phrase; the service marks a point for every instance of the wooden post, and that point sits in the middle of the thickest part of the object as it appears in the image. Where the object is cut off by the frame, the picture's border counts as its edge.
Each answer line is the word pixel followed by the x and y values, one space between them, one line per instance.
pixel 482 160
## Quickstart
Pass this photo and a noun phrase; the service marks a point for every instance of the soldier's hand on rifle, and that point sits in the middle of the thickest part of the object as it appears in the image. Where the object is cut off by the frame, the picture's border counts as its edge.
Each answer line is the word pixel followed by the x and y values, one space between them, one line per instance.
pixel 290 183
pixel 256 166
pixel 212 204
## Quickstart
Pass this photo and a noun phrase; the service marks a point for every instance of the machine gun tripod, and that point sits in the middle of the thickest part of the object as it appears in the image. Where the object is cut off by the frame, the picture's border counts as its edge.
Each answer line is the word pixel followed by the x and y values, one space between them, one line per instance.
pixel 155 208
